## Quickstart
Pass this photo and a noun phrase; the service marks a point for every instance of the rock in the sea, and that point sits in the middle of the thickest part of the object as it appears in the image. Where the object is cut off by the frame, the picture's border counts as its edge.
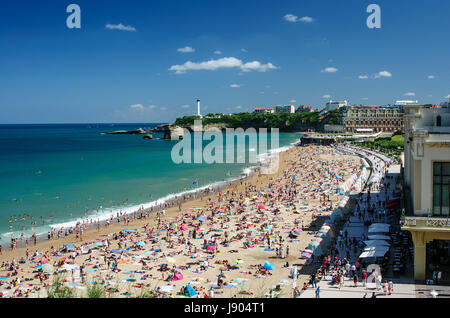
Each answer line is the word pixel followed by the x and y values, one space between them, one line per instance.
pixel 148 136
pixel 139 131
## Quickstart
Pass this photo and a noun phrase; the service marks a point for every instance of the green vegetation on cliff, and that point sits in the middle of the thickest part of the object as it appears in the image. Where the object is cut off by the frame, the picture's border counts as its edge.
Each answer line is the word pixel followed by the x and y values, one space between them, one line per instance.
pixel 286 122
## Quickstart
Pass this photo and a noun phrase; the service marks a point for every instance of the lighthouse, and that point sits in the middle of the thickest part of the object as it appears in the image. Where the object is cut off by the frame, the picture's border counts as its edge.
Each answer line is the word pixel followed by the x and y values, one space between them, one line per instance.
pixel 198 108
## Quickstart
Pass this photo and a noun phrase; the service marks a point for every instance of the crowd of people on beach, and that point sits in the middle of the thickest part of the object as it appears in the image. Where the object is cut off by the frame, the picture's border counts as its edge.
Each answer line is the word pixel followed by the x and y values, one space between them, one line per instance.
pixel 203 250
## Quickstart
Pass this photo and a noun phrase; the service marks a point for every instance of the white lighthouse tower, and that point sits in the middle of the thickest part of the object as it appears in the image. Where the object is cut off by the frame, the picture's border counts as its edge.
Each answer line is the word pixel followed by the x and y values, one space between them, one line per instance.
pixel 198 108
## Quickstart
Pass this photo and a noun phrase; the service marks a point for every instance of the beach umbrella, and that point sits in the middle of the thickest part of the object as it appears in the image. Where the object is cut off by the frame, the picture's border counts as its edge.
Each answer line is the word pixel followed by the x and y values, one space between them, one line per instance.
pixel 238 261
pixel 140 243
pixel 184 227
pixel 188 211
pixel 201 219
pixel 115 251
pixel 268 266
pixel 69 245
pixel 128 230
pixel 261 207
pixel 232 234
pixel 298 230
pixel 98 243
pixel 177 276
pixel 210 247
pixel 39 266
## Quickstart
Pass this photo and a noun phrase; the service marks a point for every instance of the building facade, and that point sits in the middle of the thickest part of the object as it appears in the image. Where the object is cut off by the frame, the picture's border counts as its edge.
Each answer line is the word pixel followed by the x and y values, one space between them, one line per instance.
pixel 304 109
pixel 384 119
pixel 427 188
pixel 285 109
pixel 263 110
pixel 332 105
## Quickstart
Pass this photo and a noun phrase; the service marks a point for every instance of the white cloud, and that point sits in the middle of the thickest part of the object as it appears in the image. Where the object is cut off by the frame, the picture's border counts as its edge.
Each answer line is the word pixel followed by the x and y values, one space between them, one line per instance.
pixel 383 74
pixel 163 108
pixel 290 18
pixel 186 49
pixel 448 96
pixel 244 50
pixel 235 85
pixel 292 101
pixel 217 52
pixel 410 94
pixel 363 77
pixel 365 98
pixel 185 106
pixel 238 107
pixel 152 106
pixel 293 18
pixel 306 19
pixel 431 77
pixel 326 96
pixel 120 26
pixel 226 62
pixel 261 92
pixel 137 106
pixel 329 70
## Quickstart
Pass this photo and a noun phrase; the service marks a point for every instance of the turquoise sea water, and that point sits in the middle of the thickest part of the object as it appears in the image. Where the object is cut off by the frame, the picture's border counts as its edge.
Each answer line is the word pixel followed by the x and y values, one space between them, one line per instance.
pixel 54 173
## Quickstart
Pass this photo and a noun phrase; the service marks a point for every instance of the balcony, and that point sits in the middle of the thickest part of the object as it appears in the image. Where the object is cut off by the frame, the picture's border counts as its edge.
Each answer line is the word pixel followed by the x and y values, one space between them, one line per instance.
pixel 411 223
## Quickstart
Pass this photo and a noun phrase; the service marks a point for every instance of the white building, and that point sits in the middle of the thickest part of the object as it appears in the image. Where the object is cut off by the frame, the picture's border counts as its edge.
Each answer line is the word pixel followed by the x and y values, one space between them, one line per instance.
pixel 285 109
pixel 427 186
pixel 406 102
pixel 332 105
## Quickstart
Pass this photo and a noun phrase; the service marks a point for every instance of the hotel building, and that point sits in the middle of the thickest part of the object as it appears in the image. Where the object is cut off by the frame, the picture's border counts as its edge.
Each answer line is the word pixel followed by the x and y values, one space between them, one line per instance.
pixel 332 105
pixel 263 110
pixel 385 119
pixel 427 188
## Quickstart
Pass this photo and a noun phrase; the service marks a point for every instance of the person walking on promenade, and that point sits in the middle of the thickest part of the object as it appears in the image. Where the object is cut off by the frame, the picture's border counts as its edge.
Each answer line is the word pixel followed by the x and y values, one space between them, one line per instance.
pixel 390 287
pixel 318 292
pixel 355 280
pixel 341 281
pixel 364 278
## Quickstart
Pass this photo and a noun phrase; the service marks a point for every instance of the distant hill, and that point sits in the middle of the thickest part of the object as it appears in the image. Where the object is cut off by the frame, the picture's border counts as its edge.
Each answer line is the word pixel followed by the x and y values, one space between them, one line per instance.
pixel 284 122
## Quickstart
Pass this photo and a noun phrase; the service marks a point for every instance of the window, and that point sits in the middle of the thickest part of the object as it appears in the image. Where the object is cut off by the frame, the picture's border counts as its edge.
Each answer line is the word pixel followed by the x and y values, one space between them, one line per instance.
pixel 438 121
pixel 441 188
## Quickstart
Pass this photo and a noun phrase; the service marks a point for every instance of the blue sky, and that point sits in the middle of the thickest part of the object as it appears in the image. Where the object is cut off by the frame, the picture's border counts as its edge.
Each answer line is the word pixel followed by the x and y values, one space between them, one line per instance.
pixel 257 57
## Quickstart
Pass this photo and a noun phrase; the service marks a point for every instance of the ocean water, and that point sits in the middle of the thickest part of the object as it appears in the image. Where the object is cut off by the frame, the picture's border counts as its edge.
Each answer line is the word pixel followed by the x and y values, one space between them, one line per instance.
pixel 53 174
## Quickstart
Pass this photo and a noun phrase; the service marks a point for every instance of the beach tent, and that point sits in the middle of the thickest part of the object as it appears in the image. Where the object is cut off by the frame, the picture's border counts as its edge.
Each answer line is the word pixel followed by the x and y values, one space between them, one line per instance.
pixel 140 243
pixel 379 237
pixel 268 266
pixel 313 245
pixel 335 216
pixel 191 292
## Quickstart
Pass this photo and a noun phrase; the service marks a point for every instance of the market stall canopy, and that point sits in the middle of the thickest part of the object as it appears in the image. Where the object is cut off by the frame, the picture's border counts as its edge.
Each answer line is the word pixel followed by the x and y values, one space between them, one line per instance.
pixel 379 237
pixel 371 243
pixel 373 253
pixel 379 228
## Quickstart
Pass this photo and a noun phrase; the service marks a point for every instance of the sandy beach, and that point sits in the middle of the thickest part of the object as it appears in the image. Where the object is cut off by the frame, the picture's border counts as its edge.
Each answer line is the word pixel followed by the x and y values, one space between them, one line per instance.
pixel 237 230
